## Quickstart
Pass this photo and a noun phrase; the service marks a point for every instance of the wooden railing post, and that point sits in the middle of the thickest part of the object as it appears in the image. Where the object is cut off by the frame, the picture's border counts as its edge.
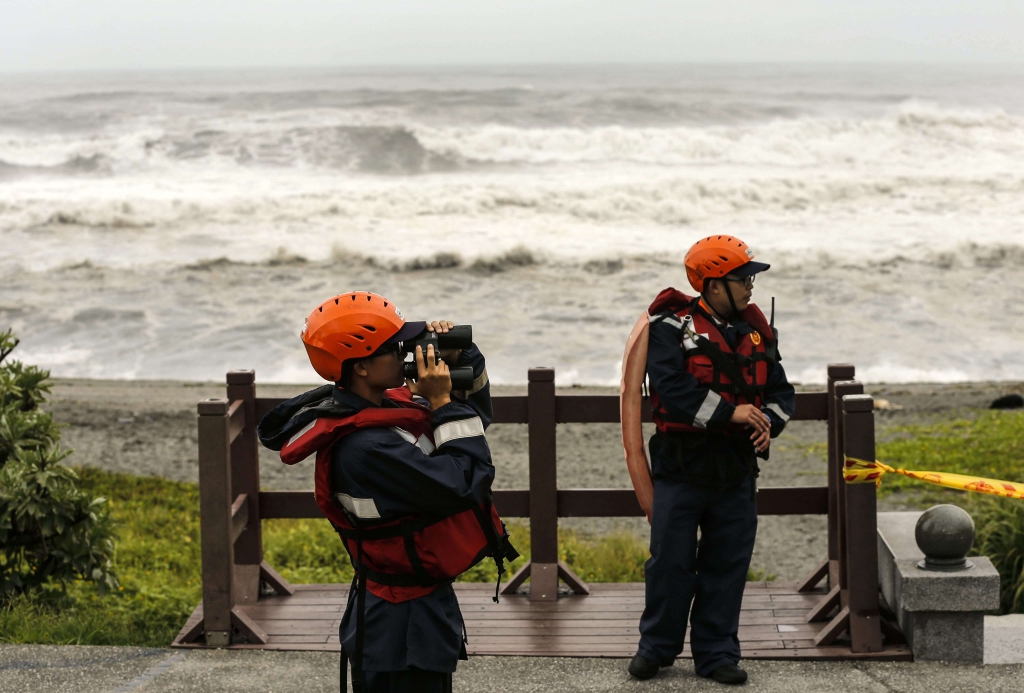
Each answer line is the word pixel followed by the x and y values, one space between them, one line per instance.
pixel 245 479
pixel 836 597
pixel 861 528
pixel 842 388
pixel 836 372
pixel 215 520
pixel 543 486
pixel 543 569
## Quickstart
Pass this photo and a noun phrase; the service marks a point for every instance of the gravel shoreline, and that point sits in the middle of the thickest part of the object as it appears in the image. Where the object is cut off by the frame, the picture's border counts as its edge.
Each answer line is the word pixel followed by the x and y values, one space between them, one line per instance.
pixel 148 428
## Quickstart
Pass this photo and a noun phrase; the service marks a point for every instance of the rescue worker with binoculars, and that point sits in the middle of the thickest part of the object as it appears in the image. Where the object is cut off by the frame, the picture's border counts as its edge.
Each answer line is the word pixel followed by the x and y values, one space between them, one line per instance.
pixel 719 394
pixel 404 473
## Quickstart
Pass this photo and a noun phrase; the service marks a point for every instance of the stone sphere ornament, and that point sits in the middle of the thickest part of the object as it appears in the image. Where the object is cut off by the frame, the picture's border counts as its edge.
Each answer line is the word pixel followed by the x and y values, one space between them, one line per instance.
pixel 945 533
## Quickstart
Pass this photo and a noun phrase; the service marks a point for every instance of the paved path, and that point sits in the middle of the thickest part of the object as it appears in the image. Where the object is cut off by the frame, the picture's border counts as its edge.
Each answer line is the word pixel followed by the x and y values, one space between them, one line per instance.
pixel 52 669
pixel 46 669
pixel 1004 640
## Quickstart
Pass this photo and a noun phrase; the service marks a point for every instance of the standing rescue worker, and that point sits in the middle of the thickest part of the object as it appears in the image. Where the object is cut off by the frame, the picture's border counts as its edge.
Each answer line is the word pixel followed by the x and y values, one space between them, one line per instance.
pixel 719 394
pixel 404 474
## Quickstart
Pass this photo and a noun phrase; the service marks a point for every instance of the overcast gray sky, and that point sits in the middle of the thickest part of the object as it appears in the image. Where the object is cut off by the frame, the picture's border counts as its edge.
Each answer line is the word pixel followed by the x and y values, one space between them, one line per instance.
pixel 132 34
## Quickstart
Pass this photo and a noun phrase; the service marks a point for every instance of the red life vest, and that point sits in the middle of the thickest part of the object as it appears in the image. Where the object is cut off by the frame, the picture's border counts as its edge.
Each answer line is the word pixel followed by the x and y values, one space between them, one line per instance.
pixel 407 557
pixel 699 336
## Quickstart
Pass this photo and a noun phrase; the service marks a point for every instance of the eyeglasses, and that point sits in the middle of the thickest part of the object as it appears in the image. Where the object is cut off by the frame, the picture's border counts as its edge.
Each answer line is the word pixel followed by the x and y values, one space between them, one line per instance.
pixel 747 281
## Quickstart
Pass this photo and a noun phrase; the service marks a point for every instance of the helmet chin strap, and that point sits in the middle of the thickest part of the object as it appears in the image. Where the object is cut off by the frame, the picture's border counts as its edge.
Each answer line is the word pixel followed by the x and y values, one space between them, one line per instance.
pixel 732 301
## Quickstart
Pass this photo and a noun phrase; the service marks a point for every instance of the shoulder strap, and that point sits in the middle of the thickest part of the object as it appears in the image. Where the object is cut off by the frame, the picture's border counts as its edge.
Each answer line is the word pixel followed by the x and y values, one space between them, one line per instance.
pixel 726 365
pixel 721 361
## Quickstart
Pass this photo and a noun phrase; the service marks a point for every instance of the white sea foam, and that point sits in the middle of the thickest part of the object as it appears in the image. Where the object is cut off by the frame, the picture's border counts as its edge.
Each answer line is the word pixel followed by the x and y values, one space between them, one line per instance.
pixel 211 214
pixel 915 134
pixel 892 373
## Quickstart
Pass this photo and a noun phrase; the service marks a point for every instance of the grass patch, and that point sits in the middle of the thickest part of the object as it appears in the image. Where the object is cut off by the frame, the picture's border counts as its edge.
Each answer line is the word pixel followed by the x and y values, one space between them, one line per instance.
pixel 157 558
pixel 991 446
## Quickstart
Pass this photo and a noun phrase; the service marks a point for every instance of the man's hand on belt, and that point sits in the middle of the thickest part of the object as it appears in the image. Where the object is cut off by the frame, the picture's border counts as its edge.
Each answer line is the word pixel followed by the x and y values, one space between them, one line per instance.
pixel 748 415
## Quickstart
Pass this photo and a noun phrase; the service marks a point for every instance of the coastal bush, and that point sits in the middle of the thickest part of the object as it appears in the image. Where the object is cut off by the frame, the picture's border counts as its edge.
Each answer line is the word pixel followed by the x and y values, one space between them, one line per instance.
pixel 51 532
pixel 24 427
pixel 1000 527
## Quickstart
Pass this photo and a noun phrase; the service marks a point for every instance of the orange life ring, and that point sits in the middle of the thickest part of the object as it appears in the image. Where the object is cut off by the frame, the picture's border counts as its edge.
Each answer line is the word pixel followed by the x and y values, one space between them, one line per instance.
pixel 634 370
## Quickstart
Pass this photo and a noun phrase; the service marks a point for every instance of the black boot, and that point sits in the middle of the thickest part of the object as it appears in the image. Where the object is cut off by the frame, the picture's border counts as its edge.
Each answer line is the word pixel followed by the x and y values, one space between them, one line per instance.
pixel 729 674
pixel 642 668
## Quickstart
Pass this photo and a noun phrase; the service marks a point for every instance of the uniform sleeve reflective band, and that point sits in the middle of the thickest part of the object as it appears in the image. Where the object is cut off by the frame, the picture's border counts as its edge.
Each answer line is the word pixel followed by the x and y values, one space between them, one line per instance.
pixel 478 384
pixel 304 431
pixel 778 411
pixel 667 319
pixel 453 430
pixel 707 409
pixel 363 508
pixel 423 443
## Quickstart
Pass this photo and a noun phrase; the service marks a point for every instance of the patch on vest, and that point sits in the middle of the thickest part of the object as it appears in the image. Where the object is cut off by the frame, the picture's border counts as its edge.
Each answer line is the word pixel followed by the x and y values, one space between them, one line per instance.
pixel 755 337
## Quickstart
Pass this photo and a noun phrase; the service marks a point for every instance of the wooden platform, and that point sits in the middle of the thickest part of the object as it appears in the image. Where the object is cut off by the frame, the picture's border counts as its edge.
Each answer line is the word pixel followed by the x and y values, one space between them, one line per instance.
pixel 604 624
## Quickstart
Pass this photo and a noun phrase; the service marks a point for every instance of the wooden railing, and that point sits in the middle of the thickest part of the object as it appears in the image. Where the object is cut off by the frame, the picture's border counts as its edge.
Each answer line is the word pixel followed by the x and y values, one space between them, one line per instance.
pixel 232 504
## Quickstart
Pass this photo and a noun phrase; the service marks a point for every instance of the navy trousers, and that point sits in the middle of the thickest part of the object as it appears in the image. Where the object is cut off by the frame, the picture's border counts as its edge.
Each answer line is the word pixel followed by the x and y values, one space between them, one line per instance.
pixel 710 574
pixel 408 681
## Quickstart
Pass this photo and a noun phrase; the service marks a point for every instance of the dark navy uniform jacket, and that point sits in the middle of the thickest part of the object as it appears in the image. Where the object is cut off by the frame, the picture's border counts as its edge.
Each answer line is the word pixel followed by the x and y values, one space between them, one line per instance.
pixel 713 460
pixel 404 475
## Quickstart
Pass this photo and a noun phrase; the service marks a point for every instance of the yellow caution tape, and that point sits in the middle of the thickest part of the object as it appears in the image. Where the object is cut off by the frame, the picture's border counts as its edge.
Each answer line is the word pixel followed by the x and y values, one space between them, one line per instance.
pixel 857 471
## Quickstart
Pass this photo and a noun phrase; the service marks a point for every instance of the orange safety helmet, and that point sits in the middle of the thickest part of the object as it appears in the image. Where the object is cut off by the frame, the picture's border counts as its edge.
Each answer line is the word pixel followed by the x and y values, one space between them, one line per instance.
pixel 352 326
pixel 716 256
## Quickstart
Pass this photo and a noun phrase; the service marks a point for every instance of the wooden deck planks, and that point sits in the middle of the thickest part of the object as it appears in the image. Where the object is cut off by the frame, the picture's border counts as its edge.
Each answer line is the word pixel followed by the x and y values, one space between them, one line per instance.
pixel 604 624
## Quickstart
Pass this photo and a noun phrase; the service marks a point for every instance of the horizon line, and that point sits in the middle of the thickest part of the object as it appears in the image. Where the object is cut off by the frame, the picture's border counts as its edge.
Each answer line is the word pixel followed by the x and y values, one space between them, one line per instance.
pixel 506 65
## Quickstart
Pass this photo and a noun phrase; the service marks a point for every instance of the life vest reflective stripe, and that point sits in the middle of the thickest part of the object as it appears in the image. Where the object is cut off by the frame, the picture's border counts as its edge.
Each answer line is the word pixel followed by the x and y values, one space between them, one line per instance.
pixel 698 336
pixel 323 432
pixel 406 557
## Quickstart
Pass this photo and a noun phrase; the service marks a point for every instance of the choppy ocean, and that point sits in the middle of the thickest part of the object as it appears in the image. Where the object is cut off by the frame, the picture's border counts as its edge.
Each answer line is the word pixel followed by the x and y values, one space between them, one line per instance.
pixel 176 225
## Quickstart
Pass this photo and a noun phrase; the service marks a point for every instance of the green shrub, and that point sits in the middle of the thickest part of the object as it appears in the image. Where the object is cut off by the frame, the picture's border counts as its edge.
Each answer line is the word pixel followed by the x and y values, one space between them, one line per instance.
pixel 1000 526
pixel 24 427
pixel 51 533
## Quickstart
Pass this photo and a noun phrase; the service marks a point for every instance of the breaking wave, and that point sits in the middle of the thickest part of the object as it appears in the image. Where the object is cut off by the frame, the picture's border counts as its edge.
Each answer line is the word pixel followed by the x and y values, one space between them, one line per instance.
pixel 484 264
pixel 360 149
pixel 965 256
pixel 571 315
pixel 915 134
pixel 77 165
pixel 668 199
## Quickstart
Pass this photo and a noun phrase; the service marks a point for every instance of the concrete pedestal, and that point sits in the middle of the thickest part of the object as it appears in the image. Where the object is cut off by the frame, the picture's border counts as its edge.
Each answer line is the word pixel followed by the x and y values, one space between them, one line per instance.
pixel 942 614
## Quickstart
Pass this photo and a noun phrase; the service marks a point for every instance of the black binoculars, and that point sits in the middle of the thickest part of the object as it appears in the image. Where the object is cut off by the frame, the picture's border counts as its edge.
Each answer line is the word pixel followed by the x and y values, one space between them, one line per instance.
pixel 458 337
